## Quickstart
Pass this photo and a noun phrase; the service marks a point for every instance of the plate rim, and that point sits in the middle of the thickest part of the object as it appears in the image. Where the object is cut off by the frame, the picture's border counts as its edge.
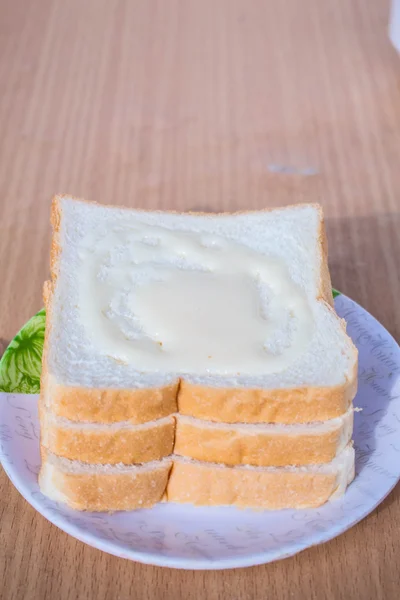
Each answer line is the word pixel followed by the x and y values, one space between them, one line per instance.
pixel 189 563
pixel 194 564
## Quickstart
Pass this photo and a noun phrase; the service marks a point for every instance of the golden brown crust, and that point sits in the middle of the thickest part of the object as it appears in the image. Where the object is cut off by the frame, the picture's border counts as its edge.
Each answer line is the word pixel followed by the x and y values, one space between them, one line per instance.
pixel 325 284
pixel 208 485
pixel 55 250
pixel 58 197
pixel 242 405
pixel 111 405
pixel 104 491
pixel 126 445
pixel 258 446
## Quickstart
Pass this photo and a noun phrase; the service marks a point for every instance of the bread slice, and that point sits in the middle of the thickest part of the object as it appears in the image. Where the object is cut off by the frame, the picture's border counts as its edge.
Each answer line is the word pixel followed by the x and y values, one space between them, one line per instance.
pixel 121 487
pixel 259 445
pixel 103 487
pixel 262 445
pixel 303 404
pixel 119 443
pixel 81 381
pixel 208 484
pixel 124 356
pixel 106 405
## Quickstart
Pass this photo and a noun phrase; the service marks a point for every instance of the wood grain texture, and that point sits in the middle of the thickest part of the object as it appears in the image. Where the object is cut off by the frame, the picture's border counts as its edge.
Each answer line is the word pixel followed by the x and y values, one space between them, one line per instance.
pixel 210 105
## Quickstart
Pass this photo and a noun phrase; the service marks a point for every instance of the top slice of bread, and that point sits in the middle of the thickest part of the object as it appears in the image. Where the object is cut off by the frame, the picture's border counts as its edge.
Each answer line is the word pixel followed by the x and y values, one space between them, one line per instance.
pixel 81 382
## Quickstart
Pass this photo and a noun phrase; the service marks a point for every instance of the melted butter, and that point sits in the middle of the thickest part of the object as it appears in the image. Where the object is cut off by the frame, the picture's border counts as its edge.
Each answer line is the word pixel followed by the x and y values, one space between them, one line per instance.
pixel 180 302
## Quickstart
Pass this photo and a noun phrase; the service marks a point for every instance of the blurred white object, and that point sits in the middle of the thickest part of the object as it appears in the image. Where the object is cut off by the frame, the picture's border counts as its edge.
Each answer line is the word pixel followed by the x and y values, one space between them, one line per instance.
pixel 394 26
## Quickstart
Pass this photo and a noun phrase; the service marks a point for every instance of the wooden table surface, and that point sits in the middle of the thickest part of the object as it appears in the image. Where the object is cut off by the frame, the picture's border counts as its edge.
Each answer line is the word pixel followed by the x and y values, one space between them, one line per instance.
pixel 210 105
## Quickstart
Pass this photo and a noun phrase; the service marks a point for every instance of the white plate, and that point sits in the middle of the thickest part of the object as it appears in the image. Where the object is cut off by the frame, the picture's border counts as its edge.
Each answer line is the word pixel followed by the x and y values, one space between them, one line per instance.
pixel 187 537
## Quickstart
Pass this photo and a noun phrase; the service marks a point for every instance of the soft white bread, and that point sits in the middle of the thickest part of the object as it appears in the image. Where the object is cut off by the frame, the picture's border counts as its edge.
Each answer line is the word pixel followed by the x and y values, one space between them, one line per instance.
pixel 262 445
pixel 82 383
pixel 260 487
pixel 243 405
pixel 258 445
pixel 103 487
pixel 119 487
pixel 118 443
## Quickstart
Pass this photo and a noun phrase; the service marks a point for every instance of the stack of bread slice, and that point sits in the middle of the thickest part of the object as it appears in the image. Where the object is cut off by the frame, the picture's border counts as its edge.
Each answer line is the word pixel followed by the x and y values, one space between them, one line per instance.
pixel 128 420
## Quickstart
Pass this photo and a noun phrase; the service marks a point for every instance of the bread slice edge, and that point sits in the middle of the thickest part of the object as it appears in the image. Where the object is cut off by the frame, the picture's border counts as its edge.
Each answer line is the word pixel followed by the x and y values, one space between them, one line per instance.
pixel 225 404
